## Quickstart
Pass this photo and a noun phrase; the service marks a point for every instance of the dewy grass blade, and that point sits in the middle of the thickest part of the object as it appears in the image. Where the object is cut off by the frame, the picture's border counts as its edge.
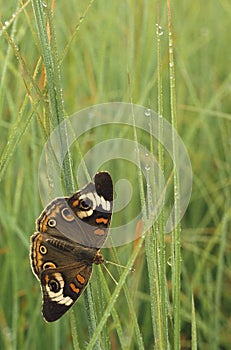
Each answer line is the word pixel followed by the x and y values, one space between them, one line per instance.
pixel 193 327
pixel 14 17
pixel 176 251
pixel 219 280
pixel 92 317
pixel 68 46
pixel 155 240
pixel 115 315
pixel 16 134
pixel 114 296
pixel 74 331
pixel 67 164
pixel 18 130
pixel 137 330
pixel 51 62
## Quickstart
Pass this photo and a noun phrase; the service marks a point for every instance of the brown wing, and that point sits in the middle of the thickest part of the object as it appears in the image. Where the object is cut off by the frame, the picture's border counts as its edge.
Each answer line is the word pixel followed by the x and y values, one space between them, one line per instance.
pixel 61 287
pixel 70 232
pixel 63 269
pixel 49 252
pixel 84 217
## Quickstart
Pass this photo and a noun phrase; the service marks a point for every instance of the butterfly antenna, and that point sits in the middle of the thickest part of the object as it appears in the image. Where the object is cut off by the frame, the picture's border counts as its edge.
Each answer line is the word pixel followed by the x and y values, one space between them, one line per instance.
pixel 124 267
pixel 109 273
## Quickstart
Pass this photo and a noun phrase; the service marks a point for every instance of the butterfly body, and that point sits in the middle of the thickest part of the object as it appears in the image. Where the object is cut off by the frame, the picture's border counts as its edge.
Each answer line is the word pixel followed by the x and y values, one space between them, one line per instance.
pixel 70 233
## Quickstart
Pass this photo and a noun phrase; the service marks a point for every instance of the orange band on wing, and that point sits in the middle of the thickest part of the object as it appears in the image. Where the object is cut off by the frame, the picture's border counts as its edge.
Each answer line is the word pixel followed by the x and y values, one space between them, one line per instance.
pixel 101 220
pixel 80 278
pixel 44 224
pixel 75 203
pixel 74 288
pixel 98 231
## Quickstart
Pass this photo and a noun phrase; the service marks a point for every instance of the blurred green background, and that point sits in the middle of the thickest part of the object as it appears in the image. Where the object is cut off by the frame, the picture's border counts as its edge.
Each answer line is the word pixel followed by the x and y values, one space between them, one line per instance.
pixel 98 52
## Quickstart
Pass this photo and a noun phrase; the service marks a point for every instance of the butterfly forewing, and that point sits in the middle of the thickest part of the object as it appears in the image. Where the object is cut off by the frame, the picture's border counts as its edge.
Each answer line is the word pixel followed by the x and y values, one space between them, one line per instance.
pixel 84 217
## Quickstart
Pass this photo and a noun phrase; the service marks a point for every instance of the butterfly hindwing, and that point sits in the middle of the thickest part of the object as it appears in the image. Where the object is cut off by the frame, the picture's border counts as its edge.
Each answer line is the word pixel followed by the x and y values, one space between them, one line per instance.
pixel 62 287
pixel 63 270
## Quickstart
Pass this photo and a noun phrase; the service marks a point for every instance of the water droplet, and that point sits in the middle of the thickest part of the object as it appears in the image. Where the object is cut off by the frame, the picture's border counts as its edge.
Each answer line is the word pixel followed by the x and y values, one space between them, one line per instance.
pixel 159 30
pixel 147 167
pixel 169 261
pixel 137 150
pixel 43 4
pixel 147 112
pixel 6 23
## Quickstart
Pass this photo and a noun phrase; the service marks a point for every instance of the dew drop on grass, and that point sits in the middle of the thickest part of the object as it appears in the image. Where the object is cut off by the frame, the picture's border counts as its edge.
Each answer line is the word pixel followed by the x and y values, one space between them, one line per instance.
pixel 169 261
pixel 159 30
pixel 137 150
pixel 147 112
pixel 147 167
pixel 43 4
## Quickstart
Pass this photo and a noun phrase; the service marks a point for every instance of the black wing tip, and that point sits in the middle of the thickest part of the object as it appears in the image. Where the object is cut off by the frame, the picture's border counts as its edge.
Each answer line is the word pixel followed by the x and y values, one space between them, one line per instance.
pixel 52 317
pixel 104 185
pixel 52 311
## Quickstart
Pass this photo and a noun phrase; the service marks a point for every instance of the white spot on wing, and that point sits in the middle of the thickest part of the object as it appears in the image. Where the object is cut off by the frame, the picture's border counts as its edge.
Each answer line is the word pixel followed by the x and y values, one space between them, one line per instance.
pixel 108 206
pixel 105 204
pixel 91 196
pixel 54 295
pixel 98 199
pixel 67 301
pixel 84 214
pixel 59 298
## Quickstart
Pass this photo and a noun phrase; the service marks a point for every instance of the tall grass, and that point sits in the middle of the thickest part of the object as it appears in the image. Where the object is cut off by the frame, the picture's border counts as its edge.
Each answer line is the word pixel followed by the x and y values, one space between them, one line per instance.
pixel 56 60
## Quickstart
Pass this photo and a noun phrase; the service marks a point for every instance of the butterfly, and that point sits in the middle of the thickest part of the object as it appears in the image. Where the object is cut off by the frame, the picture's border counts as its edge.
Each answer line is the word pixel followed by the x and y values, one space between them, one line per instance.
pixel 69 234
